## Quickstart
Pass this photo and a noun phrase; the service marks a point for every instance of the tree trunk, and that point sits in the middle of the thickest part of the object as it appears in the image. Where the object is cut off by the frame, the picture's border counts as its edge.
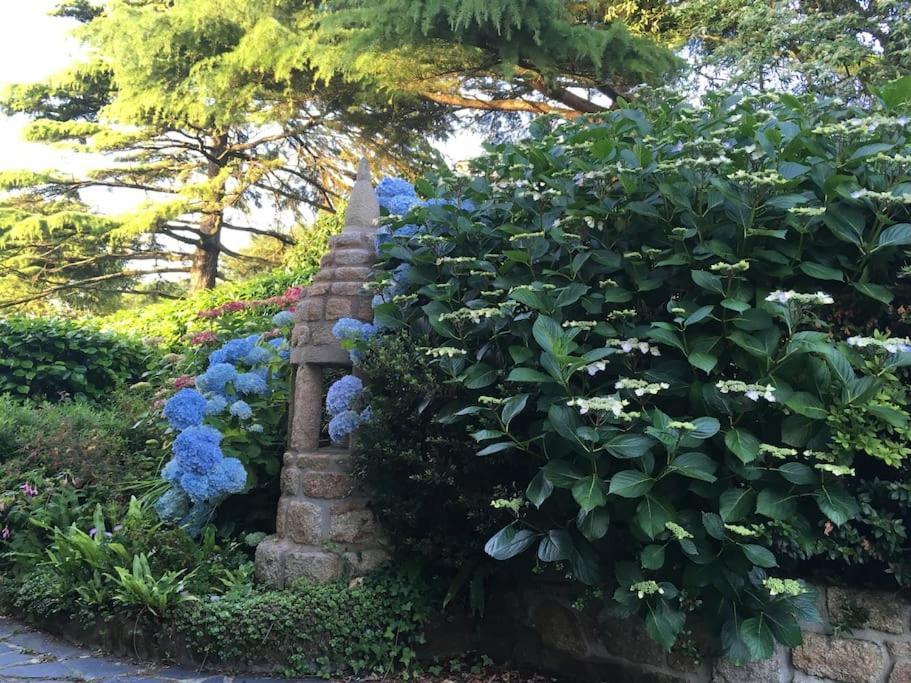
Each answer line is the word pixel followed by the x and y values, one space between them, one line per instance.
pixel 204 272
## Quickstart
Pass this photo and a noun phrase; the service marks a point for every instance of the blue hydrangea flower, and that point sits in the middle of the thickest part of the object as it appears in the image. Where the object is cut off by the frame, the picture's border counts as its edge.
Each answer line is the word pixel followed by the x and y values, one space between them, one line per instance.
pixel 257 356
pixel 381 237
pixel 216 404
pixel 196 486
pixel 216 377
pixel 185 409
pixel 353 329
pixel 197 449
pixel 367 414
pixel 283 319
pixel 393 187
pixel 172 506
pixel 242 410
pixel 342 425
pixel 281 345
pixel 343 393
pixel 256 429
pixel 401 204
pixel 251 383
pixel 171 472
pixel 229 477
pixel 409 230
pixel 464 204
pixel 234 350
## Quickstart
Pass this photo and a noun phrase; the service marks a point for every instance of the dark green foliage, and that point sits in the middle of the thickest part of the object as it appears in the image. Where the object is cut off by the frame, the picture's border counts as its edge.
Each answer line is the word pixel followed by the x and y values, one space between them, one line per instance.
pixel 653 308
pixel 427 485
pixel 54 358
pixel 371 627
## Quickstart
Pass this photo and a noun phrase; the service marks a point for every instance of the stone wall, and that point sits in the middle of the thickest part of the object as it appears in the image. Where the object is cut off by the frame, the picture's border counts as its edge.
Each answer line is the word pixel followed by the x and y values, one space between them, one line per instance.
pixel 863 637
pixel 324 527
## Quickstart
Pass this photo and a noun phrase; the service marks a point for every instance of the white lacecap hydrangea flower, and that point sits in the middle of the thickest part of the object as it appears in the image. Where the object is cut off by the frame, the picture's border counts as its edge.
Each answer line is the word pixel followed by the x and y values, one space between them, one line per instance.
pixel 643 588
pixel 789 297
pixel 600 404
pixel 641 387
pixel 893 345
pixel 634 344
pixel 754 392
pixel 445 352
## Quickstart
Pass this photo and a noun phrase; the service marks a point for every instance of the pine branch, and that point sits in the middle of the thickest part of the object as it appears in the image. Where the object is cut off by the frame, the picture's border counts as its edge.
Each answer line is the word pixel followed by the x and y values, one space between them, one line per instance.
pixel 284 239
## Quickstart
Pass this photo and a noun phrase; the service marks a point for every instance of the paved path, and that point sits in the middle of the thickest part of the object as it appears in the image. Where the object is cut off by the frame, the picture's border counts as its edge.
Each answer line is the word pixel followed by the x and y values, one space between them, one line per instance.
pixel 27 656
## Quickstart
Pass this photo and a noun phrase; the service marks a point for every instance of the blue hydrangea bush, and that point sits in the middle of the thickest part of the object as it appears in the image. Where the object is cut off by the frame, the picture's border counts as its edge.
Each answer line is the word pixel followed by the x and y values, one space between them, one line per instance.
pixel 229 429
pixel 686 316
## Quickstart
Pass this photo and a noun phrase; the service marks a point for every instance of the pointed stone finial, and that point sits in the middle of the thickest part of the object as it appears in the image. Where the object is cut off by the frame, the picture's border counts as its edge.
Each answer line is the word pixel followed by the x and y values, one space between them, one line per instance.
pixel 363 208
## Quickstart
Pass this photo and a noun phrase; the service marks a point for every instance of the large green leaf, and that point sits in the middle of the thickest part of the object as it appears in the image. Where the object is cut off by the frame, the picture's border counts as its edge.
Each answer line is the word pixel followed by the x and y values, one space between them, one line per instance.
pixel 742 444
pixel 759 555
pixel 562 473
pixel 709 281
pixel 663 623
pixel 696 466
pixel 628 446
pixel 836 503
pixel 549 335
pixel 652 514
pixel 509 542
pixel 630 484
pixel 756 633
pixel 736 503
pixel 589 492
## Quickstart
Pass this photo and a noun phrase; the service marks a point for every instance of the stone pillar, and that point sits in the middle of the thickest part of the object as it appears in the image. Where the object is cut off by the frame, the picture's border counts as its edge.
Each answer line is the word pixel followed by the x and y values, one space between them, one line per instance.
pixel 324 528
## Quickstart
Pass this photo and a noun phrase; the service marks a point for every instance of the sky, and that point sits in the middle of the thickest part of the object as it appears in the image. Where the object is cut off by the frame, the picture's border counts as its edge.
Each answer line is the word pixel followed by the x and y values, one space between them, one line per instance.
pixel 32 47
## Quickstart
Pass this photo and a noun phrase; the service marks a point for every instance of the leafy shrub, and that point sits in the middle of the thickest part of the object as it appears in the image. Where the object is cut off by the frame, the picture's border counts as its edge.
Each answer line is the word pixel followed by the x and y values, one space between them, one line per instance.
pixel 369 627
pixel 652 308
pixel 230 429
pixel 227 311
pixel 427 486
pixel 51 358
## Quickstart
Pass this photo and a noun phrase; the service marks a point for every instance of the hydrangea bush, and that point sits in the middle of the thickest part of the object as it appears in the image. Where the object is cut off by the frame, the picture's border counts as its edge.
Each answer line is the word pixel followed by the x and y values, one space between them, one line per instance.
pixel 229 426
pixel 671 311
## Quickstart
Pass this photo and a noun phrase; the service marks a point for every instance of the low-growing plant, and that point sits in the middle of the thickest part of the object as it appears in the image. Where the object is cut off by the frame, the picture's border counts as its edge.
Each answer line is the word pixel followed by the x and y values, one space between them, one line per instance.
pixel 649 307
pixel 55 358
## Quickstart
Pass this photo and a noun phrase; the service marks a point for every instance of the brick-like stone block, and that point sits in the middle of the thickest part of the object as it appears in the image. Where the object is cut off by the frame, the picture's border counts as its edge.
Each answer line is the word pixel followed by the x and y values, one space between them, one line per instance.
pixel 325 484
pixel 339 307
pixel 301 521
pixel 627 639
pixel 352 273
pixel 300 334
pixel 347 288
pixel 365 561
pixel 352 522
pixel 270 561
pixel 314 565
pixel 327 261
pixel 353 257
pixel 347 240
pixel 901 673
pixel 899 649
pixel 323 460
pixel 290 481
pixel 843 659
pixel 311 308
pixel 317 289
pixel 364 310
pixel 763 671
pixel 867 609
pixel 560 627
pixel 324 275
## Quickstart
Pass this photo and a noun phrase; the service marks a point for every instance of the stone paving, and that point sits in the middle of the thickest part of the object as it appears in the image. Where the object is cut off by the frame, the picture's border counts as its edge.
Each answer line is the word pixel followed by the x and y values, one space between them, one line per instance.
pixel 27 655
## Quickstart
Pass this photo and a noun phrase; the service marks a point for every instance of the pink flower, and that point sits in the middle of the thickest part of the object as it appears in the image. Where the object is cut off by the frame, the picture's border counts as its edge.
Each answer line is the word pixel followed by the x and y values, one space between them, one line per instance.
pixel 6 533
pixel 184 381
pixel 272 334
pixel 28 490
pixel 200 338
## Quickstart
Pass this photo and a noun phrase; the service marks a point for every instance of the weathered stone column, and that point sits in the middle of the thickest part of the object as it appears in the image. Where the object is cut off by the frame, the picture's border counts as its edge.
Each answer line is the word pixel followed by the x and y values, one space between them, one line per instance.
pixel 324 528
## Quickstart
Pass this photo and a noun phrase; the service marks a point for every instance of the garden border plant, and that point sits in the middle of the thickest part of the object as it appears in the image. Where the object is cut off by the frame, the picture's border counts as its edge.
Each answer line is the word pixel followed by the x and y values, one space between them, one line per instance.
pixel 671 310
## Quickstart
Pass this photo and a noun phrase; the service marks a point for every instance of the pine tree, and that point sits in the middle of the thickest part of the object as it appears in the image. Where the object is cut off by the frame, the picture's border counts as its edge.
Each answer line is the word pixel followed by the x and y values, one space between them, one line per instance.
pixel 835 47
pixel 187 102
pixel 490 55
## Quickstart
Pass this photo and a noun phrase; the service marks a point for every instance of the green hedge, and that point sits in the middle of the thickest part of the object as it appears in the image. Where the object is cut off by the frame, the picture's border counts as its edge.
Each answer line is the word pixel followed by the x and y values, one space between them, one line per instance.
pixel 652 307
pixel 52 358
